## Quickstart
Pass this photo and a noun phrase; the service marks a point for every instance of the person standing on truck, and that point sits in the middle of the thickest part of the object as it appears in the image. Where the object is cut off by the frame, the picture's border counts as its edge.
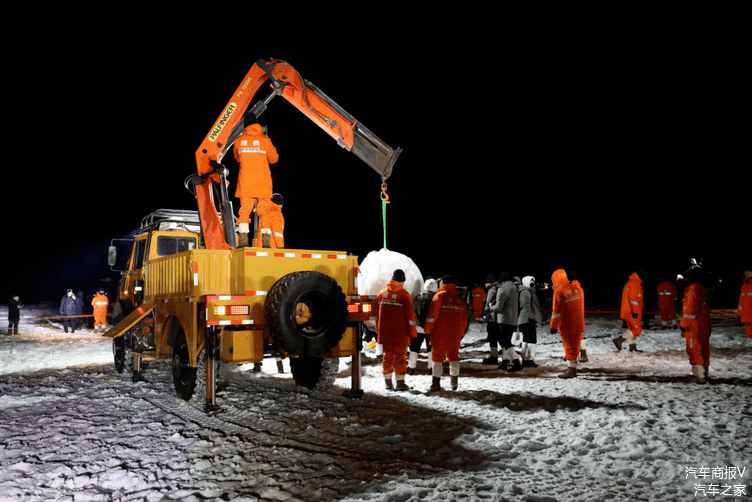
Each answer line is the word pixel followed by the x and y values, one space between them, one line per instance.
pixel 446 323
pixel 276 223
pixel 395 327
pixel 100 304
pixel 254 151
pixel 632 304
pixel 14 314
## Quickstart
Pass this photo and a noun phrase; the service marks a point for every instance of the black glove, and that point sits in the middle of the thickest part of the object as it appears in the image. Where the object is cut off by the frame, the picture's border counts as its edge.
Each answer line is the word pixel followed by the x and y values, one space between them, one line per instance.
pixel 554 331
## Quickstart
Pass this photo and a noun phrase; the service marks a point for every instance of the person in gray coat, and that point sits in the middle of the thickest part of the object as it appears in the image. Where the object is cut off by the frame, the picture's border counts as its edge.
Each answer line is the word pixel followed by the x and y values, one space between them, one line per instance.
pixel 506 309
pixel 492 328
pixel 529 318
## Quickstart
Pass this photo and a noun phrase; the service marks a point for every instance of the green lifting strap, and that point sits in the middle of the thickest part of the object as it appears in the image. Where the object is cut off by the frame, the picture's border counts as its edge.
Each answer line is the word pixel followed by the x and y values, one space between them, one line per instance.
pixel 383 217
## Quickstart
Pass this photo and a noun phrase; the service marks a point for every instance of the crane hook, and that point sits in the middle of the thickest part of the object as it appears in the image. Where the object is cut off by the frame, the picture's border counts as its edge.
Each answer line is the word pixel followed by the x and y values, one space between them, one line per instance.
pixel 384 195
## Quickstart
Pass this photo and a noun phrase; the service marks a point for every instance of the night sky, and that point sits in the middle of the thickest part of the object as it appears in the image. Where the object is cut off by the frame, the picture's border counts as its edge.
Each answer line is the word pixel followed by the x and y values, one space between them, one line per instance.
pixel 599 164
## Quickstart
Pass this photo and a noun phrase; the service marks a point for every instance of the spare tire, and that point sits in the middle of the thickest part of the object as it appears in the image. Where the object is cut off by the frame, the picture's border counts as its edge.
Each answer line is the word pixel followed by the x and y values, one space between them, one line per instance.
pixel 306 313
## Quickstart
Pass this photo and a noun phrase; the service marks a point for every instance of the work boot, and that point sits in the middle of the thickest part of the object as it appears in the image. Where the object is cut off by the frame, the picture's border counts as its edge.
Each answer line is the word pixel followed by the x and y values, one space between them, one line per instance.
pixel 633 348
pixel 435 384
pixel 618 342
pixel 454 381
pixel 504 365
pixel 529 363
pixel 243 229
pixel 516 366
pixel 570 372
pixel 491 360
pixel 401 385
pixel 389 384
pixel 698 374
pixel 583 356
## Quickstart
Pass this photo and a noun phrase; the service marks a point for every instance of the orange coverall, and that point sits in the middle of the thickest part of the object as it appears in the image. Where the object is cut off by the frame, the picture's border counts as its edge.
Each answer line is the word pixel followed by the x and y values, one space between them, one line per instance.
pixel 276 221
pixel 745 303
pixel 100 304
pixel 478 301
pixel 667 295
pixel 568 314
pixel 446 322
pixel 632 304
pixel 395 326
pixel 254 152
pixel 696 324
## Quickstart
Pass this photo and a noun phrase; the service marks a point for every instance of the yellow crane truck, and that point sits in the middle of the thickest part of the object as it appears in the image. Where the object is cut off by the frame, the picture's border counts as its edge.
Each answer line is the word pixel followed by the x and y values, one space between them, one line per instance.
pixel 189 294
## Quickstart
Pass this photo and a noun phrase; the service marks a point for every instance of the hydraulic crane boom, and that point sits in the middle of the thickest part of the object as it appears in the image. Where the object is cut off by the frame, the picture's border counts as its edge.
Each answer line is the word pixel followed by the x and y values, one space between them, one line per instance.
pixel 286 82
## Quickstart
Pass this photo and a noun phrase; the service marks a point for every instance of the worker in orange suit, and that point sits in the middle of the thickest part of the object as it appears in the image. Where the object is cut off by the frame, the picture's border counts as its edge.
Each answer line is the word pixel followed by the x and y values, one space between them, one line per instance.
pixel 568 318
pixel 745 302
pixel 100 304
pixel 478 301
pixel 395 326
pixel 254 152
pixel 276 223
pixel 695 323
pixel 632 305
pixel 667 296
pixel 446 323
pixel 572 275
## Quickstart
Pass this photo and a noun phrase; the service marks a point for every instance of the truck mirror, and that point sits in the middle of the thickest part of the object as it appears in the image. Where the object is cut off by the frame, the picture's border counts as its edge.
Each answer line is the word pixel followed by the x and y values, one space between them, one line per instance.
pixel 112 256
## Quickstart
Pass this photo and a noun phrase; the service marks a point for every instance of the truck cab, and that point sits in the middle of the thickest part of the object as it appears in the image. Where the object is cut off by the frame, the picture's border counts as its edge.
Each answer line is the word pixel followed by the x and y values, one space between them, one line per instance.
pixel 162 233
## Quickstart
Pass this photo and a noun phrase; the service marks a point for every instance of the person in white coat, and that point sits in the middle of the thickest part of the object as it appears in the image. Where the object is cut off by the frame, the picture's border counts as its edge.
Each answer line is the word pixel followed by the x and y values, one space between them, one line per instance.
pixel 528 320
pixel 421 302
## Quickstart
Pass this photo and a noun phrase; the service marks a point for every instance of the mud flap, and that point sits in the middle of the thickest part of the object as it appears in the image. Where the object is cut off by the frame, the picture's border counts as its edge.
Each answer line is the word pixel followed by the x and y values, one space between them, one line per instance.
pixel 130 320
pixel 212 357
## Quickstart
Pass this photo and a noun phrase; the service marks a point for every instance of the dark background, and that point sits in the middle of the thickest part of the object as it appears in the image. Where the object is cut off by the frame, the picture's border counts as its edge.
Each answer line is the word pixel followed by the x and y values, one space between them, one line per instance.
pixel 598 157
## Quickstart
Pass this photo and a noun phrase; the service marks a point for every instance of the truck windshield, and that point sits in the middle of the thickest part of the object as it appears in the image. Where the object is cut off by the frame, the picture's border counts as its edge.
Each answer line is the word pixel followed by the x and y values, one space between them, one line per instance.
pixel 167 245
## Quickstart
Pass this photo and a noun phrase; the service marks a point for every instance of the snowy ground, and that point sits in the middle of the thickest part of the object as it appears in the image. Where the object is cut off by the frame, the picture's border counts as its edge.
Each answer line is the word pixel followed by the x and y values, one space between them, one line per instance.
pixel 631 427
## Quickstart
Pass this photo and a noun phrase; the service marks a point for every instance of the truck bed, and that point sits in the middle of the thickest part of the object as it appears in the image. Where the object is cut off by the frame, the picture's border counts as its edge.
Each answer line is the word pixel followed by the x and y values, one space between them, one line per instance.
pixel 242 271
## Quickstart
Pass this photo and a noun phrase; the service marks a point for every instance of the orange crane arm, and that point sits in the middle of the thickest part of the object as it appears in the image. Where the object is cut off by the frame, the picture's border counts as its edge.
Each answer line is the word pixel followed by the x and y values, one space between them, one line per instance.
pixel 286 82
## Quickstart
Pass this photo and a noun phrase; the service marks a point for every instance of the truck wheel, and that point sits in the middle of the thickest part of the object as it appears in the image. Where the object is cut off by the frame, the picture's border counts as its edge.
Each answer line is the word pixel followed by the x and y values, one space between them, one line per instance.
pixel 314 372
pixel 183 374
pixel 306 313
pixel 122 353
pixel 121 347
pixel 121 309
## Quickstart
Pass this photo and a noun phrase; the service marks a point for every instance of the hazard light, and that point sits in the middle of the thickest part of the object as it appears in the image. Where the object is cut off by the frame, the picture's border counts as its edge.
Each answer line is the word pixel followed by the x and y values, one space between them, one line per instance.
pixel 231 310
pixel 361 308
